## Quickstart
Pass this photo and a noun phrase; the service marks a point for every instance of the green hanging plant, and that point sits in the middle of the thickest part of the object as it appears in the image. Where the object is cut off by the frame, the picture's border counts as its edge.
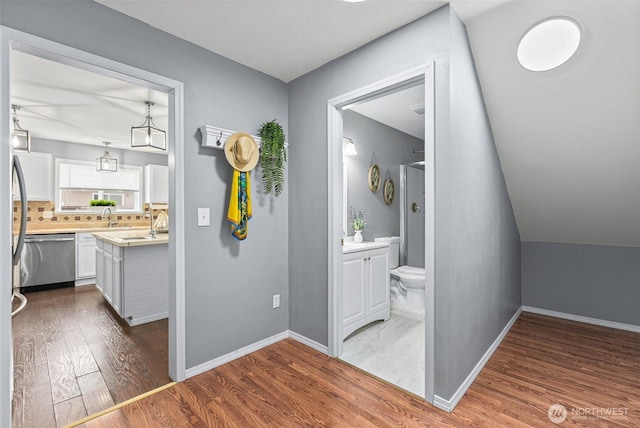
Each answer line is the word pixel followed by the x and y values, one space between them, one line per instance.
pixel 272 157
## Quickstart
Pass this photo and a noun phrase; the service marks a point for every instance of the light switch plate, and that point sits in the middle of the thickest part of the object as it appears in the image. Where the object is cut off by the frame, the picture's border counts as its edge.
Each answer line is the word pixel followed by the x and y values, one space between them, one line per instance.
pixel 203 216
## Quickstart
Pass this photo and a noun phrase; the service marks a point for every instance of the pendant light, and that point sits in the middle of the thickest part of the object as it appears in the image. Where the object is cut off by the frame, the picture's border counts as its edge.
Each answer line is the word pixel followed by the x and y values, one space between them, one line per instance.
pixel 21 138
pixel 106 163
pixel 148 134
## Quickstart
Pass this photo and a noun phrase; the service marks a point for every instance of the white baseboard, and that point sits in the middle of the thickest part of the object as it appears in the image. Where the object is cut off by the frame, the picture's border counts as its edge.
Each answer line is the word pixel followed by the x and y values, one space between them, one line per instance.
pixel 580 318
pixel 310 343
pixel 149 318
pixel 449 405
pixel 211 364
pixel 208 365
pixel 86 281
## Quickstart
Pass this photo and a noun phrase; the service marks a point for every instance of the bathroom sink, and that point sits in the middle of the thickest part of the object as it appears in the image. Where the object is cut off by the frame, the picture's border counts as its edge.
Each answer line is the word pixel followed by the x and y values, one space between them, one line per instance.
pixel 350 246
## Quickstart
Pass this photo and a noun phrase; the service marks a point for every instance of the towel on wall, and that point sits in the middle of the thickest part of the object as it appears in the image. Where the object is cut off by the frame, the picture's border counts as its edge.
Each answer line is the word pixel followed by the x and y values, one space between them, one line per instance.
pixel 239 212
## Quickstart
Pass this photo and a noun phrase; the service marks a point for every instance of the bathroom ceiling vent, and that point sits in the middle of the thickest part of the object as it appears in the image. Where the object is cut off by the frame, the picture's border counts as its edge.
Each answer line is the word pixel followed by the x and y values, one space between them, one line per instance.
pixel 418 109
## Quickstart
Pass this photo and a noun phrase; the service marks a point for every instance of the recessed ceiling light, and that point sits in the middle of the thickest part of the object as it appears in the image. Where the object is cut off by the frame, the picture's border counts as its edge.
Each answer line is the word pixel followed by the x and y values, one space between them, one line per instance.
pixel 549 43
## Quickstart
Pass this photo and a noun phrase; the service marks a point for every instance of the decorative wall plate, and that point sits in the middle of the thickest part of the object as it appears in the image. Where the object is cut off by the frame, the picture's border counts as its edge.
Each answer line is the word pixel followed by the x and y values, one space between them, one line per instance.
pixel 374 178
pixel 389 190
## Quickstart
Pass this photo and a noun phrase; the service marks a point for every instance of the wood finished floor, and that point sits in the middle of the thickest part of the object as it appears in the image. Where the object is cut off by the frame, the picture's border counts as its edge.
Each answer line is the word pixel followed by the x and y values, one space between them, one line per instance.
pixel 542 361
pixel 73 357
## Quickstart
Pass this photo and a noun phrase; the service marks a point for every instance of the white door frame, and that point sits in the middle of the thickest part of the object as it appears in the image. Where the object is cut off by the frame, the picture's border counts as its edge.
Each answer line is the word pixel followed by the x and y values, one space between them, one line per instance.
pixel 335 106
pixel 10 40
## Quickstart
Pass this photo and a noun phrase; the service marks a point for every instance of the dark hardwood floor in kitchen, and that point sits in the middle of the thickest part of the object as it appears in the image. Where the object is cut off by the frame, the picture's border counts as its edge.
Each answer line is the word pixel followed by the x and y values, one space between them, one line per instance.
pixel 73 357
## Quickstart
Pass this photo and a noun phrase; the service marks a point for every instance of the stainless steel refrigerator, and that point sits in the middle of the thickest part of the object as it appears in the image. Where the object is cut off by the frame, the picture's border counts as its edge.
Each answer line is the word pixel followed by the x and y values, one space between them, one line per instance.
pixel 19 239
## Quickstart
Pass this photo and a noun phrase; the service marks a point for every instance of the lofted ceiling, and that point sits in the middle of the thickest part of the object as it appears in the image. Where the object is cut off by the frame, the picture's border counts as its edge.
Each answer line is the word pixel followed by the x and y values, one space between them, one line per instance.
pixel 568 139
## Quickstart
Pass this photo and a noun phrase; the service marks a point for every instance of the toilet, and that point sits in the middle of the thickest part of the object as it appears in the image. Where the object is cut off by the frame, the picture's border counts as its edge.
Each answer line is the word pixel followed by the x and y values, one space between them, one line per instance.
pixel 407 282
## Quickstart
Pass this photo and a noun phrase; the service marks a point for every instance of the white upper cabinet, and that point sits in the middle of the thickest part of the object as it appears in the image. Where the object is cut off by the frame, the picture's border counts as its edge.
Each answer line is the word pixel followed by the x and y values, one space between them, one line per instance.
pixel 83 175
pixel 123 179
pixel 38 176
pixel 156 184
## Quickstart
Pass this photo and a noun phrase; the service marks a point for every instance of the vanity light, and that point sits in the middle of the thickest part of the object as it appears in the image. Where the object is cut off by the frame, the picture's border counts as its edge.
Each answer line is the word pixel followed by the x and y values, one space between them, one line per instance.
pixel 549 43
pixel 349 147
pixel 106 163
pixel 148 134
pixel 21 138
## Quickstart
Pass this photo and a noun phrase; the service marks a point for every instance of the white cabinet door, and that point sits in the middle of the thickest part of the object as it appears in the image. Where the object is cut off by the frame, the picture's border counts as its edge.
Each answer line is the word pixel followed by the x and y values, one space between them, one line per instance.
pixel 38 175
pixel 365 289
pixel 156 184
pixel 353 289
pixel 82 177
pixel 107 290
pixel 123 179
pixel 85 255
pixel 85 176
pixel 378 273
pixel 99 267
pixel 116 286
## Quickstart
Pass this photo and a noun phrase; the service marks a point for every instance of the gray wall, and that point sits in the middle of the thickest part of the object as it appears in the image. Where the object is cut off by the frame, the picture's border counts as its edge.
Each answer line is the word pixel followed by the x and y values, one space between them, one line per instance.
pixel 390 148
pixel 229 284
pixel 86 152
pixel 477 241
pixel 416 44
pixel 595 281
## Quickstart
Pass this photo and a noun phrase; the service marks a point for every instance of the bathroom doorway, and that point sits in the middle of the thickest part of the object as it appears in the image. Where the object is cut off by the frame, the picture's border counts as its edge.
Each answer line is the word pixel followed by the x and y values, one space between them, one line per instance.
pixel 339 109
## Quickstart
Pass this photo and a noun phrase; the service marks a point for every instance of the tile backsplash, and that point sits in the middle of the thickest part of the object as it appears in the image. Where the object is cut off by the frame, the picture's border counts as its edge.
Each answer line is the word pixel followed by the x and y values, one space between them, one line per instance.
pixel 36 217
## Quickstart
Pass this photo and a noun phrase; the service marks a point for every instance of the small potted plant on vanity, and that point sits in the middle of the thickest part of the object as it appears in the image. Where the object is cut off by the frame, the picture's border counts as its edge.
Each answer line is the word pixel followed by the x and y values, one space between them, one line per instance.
pixel 358 223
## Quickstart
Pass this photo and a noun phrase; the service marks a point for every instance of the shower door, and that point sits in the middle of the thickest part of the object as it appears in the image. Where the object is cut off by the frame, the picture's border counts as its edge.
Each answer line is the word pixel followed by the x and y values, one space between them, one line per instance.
pixel 414 215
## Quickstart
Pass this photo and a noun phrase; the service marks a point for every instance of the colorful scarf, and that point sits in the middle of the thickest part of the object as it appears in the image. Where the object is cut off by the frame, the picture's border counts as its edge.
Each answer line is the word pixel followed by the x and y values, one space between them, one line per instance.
pixel 239 212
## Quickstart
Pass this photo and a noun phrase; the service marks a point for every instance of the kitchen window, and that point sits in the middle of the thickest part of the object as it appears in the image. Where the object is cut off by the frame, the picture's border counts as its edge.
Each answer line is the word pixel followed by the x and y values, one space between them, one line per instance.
pixel 78 183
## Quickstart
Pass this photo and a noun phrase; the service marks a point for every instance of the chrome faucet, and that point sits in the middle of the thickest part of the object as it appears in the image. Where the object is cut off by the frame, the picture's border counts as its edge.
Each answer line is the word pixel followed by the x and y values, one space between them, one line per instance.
pixel 152 233
pixel 109 216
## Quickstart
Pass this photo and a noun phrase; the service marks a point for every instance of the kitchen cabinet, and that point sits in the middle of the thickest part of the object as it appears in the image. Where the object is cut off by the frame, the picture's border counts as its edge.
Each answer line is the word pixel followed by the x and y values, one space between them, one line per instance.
pixel 85 258
pixel 38 175
pixel 365 288
pixel 108 273
pixel 134 280
pixel 83 175
pixel 156 184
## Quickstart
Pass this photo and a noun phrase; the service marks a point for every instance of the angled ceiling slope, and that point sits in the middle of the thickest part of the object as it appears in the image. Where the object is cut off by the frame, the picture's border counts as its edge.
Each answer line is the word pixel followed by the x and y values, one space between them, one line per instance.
pixel 569 138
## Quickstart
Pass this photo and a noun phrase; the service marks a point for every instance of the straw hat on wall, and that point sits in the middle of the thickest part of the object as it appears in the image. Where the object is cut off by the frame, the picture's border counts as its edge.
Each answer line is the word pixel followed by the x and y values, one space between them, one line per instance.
pixel 241 151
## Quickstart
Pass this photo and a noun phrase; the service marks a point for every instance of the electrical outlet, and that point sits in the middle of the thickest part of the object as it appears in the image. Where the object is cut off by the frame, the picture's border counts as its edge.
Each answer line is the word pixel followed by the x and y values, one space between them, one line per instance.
pixel 47 214
pixel 276 301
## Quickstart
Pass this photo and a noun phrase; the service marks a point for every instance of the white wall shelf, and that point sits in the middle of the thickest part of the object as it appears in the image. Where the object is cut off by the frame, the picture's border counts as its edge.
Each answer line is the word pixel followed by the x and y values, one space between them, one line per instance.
pixel 214 137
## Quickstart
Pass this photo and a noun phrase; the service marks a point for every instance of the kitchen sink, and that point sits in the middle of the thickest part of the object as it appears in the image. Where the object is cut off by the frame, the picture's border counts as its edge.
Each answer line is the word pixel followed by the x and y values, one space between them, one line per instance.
pixel 136 238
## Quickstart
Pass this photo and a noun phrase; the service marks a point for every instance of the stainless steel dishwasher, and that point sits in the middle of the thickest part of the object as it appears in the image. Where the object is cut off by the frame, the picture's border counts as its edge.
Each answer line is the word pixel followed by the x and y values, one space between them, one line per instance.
pixel 48 260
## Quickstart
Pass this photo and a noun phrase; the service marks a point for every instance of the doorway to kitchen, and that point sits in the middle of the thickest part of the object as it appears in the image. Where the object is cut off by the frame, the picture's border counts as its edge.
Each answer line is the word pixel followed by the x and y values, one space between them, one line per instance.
pixel 341 321
pixel 17 42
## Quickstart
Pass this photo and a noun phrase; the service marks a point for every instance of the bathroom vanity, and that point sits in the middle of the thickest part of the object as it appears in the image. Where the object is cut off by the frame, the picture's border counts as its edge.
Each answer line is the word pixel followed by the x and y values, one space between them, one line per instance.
pixel 365 285
pixel 132 272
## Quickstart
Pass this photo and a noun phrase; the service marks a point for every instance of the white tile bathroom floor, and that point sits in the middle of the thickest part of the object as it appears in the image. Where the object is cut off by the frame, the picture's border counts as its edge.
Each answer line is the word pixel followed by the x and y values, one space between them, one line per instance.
pixel 392 350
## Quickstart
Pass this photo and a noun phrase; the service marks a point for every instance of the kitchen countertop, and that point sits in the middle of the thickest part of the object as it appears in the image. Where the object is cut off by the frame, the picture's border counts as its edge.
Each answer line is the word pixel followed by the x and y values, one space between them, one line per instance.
pixel 84 230
pixel 131 238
